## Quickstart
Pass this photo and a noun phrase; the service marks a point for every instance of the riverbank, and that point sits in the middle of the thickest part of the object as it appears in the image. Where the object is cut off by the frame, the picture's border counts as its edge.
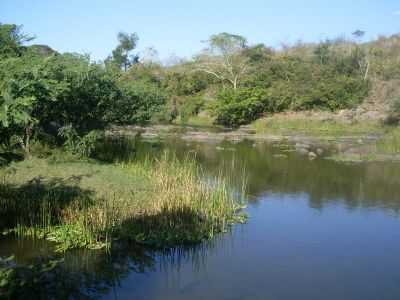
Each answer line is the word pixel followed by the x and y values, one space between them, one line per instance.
pixel 353 142
pixel 87 204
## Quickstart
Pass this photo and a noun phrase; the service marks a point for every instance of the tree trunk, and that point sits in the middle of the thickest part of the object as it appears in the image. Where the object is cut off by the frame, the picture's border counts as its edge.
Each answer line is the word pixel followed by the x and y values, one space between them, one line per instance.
pixel 235 82
pixel 366 71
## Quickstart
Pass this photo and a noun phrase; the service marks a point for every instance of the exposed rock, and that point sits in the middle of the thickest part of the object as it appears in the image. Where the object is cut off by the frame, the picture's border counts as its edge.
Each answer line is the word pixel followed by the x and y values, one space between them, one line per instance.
pixel 247 129
pixel 312 155
pixel 280 156
pixel 302 146
pixel 302 151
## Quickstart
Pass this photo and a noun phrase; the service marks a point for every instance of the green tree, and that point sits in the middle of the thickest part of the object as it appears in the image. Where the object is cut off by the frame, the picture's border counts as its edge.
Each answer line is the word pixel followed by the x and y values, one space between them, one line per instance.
pixel 121 55
pixel 26 93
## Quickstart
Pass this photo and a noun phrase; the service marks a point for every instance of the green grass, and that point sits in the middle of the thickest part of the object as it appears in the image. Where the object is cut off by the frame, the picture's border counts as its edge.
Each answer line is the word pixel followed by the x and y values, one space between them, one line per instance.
pixel 75 203
pixel 312 127
pixel 199 120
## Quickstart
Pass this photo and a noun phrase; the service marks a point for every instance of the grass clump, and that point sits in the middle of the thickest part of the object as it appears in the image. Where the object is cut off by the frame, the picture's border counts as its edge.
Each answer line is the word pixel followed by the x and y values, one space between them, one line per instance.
pixel 184 206
pixel 161 203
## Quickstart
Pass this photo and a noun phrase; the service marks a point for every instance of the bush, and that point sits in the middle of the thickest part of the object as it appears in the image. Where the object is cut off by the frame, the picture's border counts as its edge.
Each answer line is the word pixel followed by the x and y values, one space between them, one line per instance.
pixel 394 113
pixel 237 107
pixel 333 93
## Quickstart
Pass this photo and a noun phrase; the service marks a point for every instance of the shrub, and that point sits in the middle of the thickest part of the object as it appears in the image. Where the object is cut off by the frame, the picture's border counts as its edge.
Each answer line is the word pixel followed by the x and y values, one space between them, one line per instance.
pixel 84 145
pixel 237 107
pixel 394 112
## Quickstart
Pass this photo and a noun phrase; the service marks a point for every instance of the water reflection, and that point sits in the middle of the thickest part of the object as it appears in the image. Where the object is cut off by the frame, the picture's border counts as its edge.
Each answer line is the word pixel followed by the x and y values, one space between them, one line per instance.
pixel 85 274
pixel 277 168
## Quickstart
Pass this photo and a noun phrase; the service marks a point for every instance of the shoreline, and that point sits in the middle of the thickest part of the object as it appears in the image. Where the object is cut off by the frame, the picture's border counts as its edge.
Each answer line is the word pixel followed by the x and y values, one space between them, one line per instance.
pixel 345 148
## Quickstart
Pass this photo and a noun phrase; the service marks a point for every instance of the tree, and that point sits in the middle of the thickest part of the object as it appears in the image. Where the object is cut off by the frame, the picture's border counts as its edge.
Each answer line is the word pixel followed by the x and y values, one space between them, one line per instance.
pixel 224 58
pixel 360 55
pixel 12 40
pixel 22 99
pixel 358 34
pixel 121 55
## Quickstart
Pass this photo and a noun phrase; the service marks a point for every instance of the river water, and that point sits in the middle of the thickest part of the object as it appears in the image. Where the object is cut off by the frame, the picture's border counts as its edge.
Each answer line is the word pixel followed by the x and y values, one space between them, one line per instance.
pixel 317 229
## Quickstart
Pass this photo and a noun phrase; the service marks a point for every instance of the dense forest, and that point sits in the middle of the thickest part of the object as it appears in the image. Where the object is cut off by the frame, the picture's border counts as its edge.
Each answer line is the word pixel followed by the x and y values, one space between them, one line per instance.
pixel 67 99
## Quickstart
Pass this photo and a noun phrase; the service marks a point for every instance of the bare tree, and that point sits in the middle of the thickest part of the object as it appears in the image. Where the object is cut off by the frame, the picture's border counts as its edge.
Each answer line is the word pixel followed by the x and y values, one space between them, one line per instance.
pixel 149 56
pixel 363 59
pixel 224 58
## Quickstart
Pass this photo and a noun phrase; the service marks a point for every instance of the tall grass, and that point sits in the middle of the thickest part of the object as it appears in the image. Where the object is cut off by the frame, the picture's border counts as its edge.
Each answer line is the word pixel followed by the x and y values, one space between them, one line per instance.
pixel 169 202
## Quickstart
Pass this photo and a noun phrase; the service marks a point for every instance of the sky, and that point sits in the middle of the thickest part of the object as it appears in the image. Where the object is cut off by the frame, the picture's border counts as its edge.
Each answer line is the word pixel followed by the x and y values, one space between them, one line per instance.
pixel 180 27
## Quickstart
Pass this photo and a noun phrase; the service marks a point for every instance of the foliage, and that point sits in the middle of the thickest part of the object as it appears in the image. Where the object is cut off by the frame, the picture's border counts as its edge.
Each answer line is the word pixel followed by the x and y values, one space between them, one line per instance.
pixel 43 93
pixel 11 40
pixel 83 146
pixel 138 103
pixel 330 93
pixel 185 82
pixel 26 91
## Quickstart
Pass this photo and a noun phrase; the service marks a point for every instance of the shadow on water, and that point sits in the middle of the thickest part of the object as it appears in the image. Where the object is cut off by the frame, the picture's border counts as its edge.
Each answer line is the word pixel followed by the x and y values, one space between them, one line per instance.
pixel 85 274
pixel 116 149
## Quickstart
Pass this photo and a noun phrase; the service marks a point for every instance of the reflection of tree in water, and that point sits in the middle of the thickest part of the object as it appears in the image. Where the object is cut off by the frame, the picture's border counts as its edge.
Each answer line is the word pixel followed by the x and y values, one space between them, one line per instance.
pixel 323 181
pixel 86 274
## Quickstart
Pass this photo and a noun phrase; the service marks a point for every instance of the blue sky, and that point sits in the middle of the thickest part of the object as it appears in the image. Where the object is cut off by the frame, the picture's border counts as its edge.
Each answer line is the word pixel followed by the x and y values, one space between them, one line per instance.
pixel 178 26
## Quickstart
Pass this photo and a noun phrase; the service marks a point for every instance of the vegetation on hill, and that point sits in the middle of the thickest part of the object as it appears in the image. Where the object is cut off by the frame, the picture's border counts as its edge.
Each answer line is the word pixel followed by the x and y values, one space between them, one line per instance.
pixel 60 97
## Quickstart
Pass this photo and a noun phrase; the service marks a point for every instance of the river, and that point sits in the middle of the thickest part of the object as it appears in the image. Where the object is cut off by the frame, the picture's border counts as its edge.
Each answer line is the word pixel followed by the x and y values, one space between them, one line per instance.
pixel 317 229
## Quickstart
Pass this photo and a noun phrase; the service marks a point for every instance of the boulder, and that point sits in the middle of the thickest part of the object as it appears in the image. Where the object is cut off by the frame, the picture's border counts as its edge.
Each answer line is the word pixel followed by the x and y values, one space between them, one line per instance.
pixel 312 155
